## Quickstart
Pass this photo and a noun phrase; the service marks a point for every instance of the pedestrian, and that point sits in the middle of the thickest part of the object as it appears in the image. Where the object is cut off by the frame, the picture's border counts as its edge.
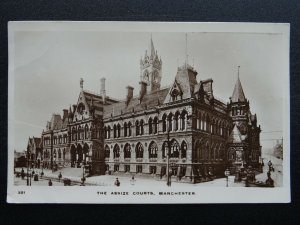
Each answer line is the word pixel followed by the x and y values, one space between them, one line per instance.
pixel 59 176
pixel 117 182
pixel 42 174
pixel 22 174
pixel 132 181
pixel 50 183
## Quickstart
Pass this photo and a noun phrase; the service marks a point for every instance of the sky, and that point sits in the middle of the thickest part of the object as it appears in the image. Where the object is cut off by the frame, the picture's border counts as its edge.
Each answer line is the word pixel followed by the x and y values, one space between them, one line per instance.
pixel 48 64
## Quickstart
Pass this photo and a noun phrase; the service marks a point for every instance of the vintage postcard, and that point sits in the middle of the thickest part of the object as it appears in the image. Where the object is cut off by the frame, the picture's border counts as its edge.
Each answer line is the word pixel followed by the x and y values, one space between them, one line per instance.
pixel 148 112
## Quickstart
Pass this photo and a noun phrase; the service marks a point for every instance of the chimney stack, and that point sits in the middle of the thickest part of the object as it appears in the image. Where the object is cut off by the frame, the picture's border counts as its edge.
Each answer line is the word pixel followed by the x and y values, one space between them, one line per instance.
pixel 143 90
pixel 129 94
pixel 74 108
pixel 102 90
pixel 65 114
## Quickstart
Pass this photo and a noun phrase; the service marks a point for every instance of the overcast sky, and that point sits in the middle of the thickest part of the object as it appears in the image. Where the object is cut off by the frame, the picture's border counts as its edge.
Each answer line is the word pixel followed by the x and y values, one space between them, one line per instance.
pixel 49 64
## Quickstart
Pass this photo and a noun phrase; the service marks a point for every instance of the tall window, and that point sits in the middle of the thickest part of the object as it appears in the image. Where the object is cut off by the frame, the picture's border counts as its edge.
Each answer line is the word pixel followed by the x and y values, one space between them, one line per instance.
pixel 108 132
pixel 164 121
pixel 125 129
pixel 129 129
pixel 118 130
pixel 150 125
pixel 170 121
pixel 137 128
pixel 155 123
pixel 59 153
pixel 139 150
pixel 116 151
pixel 183 149
pixel 86 131
pixel 165 149
pixel 176 118
pixel 115 131
pixel 142 127
pixel 183 120
pixel 174 149
pixel 107 151
pixel 153 150
pixel 127 151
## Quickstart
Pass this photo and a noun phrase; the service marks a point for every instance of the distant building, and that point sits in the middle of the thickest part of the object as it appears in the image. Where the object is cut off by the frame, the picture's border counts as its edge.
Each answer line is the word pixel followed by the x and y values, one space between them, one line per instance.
pixel 130 136
pixel 278 149
pixel 34 151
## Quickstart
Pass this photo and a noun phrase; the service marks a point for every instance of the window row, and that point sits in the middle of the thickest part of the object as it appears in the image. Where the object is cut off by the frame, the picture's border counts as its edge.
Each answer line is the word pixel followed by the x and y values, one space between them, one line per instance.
pixel 59 154
pixel 172 148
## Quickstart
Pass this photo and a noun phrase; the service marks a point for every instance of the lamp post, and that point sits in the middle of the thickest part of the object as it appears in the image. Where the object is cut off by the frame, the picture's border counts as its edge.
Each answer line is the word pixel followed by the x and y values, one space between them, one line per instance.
pixel 168 160
pixel 227 173
pixel 270 165
pixel 83 177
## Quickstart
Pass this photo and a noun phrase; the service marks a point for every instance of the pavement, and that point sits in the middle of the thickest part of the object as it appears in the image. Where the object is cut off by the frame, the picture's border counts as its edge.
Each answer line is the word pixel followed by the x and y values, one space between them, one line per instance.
pixel 75 175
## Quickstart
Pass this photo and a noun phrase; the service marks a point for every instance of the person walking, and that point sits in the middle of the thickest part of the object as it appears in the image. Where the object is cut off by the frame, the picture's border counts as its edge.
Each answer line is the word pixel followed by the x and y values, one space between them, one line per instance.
pixel 50 183
pixel 59 176
pixel 117 182
pixel 132 181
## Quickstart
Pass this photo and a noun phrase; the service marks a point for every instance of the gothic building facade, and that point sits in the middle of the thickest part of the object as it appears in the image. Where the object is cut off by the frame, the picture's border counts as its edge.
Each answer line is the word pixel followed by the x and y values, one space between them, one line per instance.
pixel 202 134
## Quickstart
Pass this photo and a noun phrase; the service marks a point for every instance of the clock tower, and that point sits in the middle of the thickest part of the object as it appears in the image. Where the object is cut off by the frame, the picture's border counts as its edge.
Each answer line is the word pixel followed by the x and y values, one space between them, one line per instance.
pixel 150 67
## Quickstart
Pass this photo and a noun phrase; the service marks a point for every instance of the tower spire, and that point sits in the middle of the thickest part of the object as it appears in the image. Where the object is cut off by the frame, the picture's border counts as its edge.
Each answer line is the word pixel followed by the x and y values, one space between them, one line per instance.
pixel 81 83
pixel 186 51
pixel 238 93
pixel 152 49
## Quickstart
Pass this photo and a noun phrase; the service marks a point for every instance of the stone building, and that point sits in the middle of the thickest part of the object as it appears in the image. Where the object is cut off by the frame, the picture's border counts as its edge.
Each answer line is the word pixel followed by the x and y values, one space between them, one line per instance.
pixel 34 151
pixel 204 134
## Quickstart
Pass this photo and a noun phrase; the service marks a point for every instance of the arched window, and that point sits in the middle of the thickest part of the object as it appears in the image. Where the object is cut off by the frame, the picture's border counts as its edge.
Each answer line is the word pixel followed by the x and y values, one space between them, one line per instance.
pixel 155 123
pixel 74 135
pixel 150 125
pixel 86 131
pixel 129 129
pixel 174 95
pixel 164 121
pixel 183 149
pixel 183 120
pixel 142 127
pixel 105 132
pixel 108 132
pixel 170 121
pixel 153 150
pixel 59 153
pixel 107 151
pixel 176 120
pixel 137 128
pixel 64 154
pixel 115 130
pixel 118 130
pixel 139 150
pixel 116 151
pixel 125 129
pixel 174 149
pixel 127 151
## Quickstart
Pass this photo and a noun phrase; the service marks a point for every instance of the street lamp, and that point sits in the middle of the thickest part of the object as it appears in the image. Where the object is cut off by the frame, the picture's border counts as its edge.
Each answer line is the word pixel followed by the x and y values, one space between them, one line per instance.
pixel 227 173
pixel 270 165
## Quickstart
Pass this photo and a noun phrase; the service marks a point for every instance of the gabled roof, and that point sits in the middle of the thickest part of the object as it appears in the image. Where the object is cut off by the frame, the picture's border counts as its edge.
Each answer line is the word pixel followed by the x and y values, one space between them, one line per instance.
pixel 238 93
pixel 235 136
pixel 186 80
pixel 150 100
pixel 95 101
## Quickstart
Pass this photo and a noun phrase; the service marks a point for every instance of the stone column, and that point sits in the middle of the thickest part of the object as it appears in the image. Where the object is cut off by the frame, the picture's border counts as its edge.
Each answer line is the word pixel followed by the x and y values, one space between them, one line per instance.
pixel 146 160
pixel 121 160
pixel 132 160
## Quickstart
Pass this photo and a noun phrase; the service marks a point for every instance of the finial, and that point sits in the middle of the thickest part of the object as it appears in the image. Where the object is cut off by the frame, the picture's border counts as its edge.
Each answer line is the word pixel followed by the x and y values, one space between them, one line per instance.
pixel 81 83
pixel 186 52
pixel 238 71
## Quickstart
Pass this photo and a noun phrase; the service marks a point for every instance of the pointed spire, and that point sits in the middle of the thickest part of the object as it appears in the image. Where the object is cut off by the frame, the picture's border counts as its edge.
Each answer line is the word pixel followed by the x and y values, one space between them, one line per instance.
pixel 238 93
pixel 152 50
pixel 81 83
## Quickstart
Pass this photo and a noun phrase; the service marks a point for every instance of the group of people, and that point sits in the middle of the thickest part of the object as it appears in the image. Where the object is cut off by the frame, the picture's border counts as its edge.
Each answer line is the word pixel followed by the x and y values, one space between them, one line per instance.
pixel 118 183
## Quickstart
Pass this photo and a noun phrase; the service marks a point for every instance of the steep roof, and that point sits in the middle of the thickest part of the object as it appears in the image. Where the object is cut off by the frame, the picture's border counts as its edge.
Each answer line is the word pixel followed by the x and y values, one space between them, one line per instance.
pixel 238 93
pixel 150 100
pixel 96 101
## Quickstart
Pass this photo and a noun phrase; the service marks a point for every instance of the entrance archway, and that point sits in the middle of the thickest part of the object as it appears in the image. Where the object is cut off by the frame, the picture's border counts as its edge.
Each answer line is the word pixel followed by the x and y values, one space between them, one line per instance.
pixel 73 155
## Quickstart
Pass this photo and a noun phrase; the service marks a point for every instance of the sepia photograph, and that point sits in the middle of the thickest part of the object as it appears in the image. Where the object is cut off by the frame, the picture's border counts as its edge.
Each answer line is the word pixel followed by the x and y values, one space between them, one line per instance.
pixel 148 112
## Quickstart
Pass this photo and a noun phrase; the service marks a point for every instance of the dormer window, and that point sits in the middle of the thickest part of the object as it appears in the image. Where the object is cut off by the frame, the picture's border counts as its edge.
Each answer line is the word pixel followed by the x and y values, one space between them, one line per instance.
pixel 175 95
